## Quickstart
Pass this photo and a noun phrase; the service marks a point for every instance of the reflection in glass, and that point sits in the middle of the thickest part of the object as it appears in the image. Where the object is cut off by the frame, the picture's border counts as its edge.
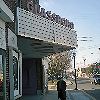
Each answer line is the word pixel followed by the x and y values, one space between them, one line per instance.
pixel 15 72
pixel 1 78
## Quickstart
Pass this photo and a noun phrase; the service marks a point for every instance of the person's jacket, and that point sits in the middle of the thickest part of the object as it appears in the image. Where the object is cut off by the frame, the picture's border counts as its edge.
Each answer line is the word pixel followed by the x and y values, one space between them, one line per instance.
pixel 63 85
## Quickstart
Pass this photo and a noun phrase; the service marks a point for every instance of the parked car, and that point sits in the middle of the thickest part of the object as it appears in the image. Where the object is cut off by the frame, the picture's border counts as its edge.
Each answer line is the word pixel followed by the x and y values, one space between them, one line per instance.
pixel 73 77
pixel 95 79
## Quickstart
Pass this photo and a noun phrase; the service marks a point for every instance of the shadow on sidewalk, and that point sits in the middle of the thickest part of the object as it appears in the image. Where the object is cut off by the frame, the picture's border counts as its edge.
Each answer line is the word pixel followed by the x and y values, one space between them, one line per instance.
pixel 51 95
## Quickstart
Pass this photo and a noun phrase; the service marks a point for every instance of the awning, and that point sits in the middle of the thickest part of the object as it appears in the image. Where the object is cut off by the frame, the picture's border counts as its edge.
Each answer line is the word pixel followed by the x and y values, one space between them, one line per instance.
pixel 36 48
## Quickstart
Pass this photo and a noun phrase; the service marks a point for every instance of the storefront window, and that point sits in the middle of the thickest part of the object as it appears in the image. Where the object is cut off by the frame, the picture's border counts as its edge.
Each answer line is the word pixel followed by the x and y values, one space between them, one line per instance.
pixel 1 78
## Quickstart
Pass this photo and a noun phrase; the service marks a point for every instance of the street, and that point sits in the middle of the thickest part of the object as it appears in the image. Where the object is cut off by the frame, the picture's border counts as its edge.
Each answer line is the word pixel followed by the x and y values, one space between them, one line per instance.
pixel 85 85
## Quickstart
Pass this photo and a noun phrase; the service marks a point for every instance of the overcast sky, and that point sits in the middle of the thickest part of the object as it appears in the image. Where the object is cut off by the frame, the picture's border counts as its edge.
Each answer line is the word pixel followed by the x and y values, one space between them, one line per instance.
pixel 85 14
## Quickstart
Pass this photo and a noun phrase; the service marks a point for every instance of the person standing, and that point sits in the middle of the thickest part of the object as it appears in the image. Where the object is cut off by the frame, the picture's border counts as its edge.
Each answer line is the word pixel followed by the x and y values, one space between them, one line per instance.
pixel 61 87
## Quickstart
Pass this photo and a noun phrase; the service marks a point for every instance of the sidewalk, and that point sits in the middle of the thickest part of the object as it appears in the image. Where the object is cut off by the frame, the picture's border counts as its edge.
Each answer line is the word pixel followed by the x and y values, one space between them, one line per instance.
pixel 77 95
pixel 53 95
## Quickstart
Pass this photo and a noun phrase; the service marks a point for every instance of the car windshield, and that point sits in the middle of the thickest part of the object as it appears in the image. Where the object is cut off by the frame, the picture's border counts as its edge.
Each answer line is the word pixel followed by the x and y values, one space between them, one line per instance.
pixel 96 76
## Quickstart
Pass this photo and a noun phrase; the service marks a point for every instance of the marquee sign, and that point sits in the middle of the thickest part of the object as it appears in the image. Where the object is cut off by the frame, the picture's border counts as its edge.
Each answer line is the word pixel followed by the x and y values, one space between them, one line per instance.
pixel 53 17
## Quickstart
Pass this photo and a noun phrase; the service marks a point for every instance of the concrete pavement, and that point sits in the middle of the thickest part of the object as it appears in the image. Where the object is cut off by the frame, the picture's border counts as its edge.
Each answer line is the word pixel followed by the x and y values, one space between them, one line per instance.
pixel 77 95
pixel 53 95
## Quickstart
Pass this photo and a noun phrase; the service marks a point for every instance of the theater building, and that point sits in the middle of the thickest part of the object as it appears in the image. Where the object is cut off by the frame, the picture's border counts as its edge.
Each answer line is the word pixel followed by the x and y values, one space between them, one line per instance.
pixel 28 35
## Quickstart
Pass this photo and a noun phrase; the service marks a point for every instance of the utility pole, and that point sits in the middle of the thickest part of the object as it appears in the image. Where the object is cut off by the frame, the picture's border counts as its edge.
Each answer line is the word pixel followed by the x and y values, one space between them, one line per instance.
pixel 75 71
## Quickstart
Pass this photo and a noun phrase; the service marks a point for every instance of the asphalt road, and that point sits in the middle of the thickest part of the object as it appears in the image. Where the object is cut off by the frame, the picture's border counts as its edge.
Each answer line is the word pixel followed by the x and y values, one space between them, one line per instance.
pixel 85 85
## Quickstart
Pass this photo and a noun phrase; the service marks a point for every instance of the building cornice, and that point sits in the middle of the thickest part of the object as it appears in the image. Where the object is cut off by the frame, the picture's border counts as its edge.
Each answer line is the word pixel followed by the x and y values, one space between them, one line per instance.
pixel 5 13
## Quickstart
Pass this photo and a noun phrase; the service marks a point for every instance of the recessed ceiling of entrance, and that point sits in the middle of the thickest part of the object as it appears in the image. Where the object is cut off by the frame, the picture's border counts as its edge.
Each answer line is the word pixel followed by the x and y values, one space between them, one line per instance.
pixel 35 48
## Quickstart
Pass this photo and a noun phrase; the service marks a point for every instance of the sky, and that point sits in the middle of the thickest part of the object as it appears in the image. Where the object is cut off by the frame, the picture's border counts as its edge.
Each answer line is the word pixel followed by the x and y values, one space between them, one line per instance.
pixel 85 14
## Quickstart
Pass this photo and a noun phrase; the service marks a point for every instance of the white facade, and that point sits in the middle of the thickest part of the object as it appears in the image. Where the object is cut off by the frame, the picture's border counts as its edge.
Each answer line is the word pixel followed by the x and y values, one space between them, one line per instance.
pixel 5 13
pixel 12 39
pixel 2 35
pixel 5 16
pixel 45 63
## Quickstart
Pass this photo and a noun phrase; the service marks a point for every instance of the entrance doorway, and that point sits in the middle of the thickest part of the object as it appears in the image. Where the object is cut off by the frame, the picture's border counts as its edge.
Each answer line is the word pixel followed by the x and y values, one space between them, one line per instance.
pixel 15 72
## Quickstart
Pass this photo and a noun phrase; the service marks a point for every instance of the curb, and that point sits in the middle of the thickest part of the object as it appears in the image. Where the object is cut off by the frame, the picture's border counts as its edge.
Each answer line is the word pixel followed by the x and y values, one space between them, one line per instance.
pixel 88 95
pixel 51 85
pixel 68 95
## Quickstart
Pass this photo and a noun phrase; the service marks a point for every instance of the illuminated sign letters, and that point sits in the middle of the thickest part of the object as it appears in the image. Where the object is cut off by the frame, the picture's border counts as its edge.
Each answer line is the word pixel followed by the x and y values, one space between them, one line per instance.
pixel 53 17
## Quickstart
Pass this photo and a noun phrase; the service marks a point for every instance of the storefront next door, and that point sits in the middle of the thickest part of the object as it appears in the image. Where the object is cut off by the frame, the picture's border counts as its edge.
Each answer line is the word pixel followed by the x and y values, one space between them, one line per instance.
pixel 1 79
pixel 2 75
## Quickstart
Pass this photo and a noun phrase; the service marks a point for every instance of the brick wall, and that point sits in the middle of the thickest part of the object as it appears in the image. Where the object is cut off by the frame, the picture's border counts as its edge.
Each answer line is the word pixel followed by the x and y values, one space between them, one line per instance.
pixel 7 64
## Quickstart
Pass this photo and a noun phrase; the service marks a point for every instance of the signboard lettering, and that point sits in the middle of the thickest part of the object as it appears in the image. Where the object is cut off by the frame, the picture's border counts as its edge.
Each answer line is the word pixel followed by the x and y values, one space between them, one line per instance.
pixel 53 17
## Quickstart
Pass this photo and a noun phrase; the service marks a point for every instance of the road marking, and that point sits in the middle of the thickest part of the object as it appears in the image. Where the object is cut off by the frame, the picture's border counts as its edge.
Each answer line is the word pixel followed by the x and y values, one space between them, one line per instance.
pixel 89 95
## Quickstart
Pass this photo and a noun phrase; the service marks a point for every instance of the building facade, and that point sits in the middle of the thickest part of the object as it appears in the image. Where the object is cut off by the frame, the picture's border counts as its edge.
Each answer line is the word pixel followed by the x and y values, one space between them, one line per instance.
pixel 5 16
pixel 28 35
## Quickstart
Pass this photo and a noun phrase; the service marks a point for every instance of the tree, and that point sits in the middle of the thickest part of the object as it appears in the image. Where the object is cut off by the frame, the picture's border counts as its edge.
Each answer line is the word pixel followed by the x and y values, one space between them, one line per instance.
pixel 58 64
